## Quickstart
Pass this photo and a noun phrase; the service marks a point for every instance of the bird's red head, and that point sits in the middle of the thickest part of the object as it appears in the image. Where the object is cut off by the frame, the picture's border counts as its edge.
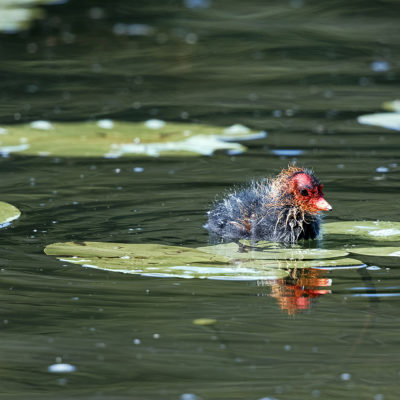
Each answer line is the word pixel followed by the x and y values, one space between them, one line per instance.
pixel 303 189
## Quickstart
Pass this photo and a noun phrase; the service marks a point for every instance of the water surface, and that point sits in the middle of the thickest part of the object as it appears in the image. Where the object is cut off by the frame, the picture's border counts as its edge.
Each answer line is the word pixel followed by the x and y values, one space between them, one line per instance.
pixel 303 71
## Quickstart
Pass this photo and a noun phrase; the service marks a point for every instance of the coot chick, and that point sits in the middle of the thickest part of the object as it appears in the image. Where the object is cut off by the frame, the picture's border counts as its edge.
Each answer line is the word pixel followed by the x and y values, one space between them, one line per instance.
pixel 284 209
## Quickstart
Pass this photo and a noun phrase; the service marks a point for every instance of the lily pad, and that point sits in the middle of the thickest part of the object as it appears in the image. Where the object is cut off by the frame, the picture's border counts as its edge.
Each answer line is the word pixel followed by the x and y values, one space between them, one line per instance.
pixel 269 251
pixel 158 260
pixel 377 251
pixel 111 139
pixel 213 262
pixel 384 120
pixel 8 213
pixel 298 264
pixel 371 230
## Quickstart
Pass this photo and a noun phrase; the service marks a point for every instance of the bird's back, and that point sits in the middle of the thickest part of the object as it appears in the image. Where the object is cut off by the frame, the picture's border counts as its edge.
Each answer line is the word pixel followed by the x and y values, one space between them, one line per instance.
pixel 252 213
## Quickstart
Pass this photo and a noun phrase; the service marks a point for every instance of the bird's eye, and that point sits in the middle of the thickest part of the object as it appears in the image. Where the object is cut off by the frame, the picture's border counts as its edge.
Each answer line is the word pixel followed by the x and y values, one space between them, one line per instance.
pixel 304 192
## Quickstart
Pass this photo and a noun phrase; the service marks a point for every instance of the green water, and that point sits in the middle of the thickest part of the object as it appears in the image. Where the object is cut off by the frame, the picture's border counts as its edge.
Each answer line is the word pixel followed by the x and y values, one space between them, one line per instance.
pixel 302 71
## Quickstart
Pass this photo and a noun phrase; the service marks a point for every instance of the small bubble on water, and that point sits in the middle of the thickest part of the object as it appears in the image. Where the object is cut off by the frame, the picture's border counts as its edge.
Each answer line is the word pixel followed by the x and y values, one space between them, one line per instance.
pixel 42 125
pixel 136 341
pixel 31 88
pixel 379 397
pixel 287 347
pixel 268 398
pixel 96 13
pixel 382 169
pixel 61 368
pixel 138 169
pixel 364 81
pixel 156 336
pixel 191 38
pixel 105 123
pixel 154 123
pixel 345 376
pixel 380 66
pixel 189 396
pixel 296 3
pixel 197 3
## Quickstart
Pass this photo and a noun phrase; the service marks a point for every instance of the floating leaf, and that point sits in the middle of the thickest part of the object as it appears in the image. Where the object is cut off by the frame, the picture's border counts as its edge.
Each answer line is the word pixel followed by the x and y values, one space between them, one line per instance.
pixel 158 260
pixel 384 120
pixel 106 138
pixel 376 251
pixel 8 213
pixel 298 264
pixel 270 251
pixel 143 254
pixel 371 230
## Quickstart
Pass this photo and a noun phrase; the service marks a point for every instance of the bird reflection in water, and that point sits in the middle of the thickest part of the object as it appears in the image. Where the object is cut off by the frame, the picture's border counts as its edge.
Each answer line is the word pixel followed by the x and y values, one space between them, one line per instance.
pixel 297 291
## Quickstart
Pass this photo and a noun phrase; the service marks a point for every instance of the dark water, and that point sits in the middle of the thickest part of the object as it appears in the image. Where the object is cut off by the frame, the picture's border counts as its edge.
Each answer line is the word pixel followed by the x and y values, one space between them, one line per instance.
pixel 303 71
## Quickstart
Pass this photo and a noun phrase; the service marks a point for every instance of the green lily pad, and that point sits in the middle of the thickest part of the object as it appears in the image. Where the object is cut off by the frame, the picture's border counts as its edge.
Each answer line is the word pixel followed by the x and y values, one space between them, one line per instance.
pixel 213 262
pixel 377 251
pixel 270 251
pixel 158 260
pixel 371 230
pixel 143 254
pixel 299 264
pixel 106 138
pixel 384 120
pixel 8 213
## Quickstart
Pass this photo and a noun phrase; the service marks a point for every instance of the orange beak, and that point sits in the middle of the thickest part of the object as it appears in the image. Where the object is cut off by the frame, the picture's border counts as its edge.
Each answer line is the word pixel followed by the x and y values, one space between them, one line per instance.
pixel 322 204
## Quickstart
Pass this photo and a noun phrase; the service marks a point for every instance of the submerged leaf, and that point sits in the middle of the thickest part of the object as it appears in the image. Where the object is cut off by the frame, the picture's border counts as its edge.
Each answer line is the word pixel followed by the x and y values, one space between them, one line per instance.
pixel 384 120
pixel 270 251
pixel 371 230
pixel 377 251
pixel 204 321
pixel 116 139
pixel 8 213
pixel 300 264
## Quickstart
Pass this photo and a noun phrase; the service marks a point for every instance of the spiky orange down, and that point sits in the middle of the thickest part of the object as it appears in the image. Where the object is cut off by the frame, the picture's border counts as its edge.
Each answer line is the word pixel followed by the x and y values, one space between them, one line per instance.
pixel 281 181
pixel 285 191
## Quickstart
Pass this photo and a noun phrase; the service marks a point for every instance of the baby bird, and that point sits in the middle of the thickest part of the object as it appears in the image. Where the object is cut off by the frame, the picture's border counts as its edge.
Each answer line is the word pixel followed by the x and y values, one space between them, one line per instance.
pixel 283 209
